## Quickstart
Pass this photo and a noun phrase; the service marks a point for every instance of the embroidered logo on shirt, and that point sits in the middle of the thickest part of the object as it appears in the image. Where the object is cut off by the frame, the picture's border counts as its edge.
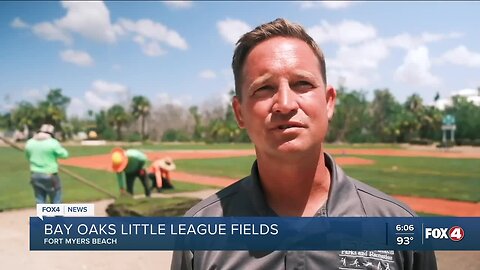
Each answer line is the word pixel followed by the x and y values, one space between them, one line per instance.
pixel 367 260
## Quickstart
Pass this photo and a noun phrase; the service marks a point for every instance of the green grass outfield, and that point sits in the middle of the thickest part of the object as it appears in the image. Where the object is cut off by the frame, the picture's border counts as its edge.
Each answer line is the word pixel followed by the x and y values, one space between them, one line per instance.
pixel 16 191
pixel 104 149
pixel 456 179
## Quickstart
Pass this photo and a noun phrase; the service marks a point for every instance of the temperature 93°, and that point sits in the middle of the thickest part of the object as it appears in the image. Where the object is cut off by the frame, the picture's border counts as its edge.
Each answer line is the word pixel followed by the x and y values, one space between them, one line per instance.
pixel 404 234
pixel 404 240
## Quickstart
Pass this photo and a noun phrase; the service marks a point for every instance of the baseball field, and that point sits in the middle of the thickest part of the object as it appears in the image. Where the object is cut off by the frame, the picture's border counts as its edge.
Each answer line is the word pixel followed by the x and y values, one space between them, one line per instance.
pixel 431 181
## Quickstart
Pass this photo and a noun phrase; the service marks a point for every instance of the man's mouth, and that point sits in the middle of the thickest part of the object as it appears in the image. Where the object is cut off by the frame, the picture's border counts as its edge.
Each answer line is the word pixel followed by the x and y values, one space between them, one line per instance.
pixel 290 125
pixel 286 126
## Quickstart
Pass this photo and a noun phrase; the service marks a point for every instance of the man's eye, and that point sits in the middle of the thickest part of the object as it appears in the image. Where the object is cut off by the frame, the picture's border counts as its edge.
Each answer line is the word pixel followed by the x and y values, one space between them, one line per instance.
pixel 302 85
pixel 265 88
pixel 264 91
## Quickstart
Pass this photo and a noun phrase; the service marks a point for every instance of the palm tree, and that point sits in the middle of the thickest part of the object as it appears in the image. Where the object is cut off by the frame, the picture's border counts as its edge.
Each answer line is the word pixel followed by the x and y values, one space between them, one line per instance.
pixel 25 114
pixel 140 109
pixel 198 129
pixel 117 116
pixel 53 109
pixel 415 112
pixel 414 103
pixel 383 111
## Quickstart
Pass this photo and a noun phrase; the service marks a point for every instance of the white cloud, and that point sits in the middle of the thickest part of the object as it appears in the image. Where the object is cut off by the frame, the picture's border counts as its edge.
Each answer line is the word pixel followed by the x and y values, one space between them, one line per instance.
pixel 225 98
pixel 34 95
pixel 352 79
pixel 336 4
pixel 433 37
pixel 7 104
pixel 51 31
pixel 404 40
pixel 89 19
pixel 466 92
pixel 461 56
pixel 6 107
pixel 349 32
pixel 103 94
pixel 361 51
pixel 77 57
pixel 139 39
pixel 12 98
pixel 363 56
pixel 359 55
pixel 344 33
pixel 228 75
pixel 154 31
pixel 326 4
pixel 231 30
pixel 220 98
pixel 97 102
pixel 179 4
pixel 92 21
pixel 357 65
pixel 77 107
pixel 407 41
pixel 105 87
pixel 151 48
pixel 207 74
pixel 415 69
pixel 18 23
pixel 163 98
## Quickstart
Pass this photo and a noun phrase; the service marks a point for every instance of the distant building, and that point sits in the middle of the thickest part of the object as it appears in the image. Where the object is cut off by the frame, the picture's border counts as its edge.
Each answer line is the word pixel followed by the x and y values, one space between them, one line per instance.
pixel 16 135
pixel 472 95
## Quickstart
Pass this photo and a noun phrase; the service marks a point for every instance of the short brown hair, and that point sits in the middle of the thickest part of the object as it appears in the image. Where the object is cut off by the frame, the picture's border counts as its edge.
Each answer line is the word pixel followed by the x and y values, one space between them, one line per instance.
pixel 277 28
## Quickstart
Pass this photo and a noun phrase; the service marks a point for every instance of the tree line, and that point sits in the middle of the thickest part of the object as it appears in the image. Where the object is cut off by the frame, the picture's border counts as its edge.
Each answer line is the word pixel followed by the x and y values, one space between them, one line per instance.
pixel 136 121
pixel 356 120
pixel 384 119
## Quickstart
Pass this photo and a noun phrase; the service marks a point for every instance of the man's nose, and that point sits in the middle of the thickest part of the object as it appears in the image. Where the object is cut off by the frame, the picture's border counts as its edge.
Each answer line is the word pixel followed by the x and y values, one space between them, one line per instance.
pixel 285 100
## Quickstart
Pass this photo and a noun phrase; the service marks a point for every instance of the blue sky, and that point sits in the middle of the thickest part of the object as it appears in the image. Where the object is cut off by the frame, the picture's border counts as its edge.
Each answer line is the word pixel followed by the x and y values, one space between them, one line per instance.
pixel 101 53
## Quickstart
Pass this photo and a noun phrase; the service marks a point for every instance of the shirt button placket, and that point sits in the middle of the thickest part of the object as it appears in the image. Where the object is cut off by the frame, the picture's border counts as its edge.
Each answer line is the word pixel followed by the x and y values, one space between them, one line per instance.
pixel 295 260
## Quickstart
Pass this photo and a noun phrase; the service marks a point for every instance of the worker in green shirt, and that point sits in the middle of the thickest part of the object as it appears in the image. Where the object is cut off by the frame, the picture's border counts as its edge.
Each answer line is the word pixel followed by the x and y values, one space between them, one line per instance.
pixel 129 165
pixel 42 152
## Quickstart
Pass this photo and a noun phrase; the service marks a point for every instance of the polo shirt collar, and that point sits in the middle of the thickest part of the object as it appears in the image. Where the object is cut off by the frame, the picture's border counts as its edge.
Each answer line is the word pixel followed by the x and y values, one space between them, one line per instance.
pixel 343 199
pixel 254 191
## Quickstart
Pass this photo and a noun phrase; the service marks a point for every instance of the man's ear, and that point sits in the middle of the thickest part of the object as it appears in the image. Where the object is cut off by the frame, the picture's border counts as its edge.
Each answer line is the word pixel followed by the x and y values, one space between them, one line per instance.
pixel 331 96
pixel 238 112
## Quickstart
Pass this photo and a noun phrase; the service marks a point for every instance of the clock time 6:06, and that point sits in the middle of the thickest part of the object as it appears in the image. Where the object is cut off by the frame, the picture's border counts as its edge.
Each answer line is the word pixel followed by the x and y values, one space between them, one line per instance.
pixel 405 228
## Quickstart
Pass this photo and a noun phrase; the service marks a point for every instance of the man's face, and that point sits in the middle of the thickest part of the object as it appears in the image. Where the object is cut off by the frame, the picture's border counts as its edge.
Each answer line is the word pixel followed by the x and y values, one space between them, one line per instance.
pixel 285 106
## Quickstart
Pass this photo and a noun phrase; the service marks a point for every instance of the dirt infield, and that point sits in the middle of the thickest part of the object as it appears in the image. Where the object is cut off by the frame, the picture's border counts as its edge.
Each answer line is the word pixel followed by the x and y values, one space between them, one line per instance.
pixel 405 153
pixel 102 162
pixel 442 207
pixel 426 205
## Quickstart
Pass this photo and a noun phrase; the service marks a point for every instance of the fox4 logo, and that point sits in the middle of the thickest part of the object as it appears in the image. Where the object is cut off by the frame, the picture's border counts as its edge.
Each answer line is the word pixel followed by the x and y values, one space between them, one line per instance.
pixel 455 233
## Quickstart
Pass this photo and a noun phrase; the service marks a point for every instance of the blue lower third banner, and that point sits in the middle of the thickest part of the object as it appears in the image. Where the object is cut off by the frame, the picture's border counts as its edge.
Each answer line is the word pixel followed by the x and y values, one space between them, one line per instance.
pixel 253 233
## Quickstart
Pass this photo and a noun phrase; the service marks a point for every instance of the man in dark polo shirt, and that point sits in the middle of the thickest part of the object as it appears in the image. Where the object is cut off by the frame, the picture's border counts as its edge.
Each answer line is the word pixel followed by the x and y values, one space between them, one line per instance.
pixel 283 101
